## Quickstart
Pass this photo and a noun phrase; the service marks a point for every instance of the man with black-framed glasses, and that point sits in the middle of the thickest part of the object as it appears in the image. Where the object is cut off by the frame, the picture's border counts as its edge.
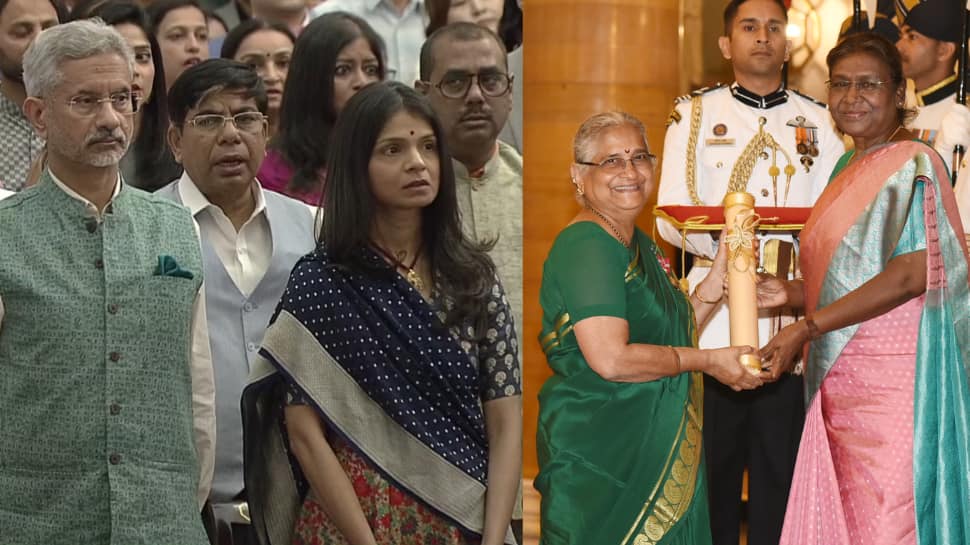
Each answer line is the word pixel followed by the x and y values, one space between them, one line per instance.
pixel 464 73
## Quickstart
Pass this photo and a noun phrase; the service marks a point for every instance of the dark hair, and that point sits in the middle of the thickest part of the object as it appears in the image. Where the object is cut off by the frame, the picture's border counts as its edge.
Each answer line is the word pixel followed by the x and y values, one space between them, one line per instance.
pixel 437 15
pixel 213 75
pixel 510 25
pixel 154 164
pixel 211 15
pixel 160 8
pixel 62 13
pixel 238 35
pixel 307 115
pixel 459 32
pixel 461 268
pixel 879 48
pixel 731 11
pixel 84 9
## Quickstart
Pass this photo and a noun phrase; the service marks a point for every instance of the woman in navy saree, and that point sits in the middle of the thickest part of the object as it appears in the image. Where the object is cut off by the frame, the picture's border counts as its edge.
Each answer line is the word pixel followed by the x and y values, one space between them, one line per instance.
pixel 389 395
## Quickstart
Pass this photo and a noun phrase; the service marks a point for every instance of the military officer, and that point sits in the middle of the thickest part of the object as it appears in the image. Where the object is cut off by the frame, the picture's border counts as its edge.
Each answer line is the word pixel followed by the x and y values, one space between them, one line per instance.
pixel 794 153
pixel 929 46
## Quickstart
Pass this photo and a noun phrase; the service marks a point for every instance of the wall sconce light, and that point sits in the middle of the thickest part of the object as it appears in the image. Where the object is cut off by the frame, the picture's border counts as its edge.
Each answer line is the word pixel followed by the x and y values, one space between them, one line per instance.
pixel 804 30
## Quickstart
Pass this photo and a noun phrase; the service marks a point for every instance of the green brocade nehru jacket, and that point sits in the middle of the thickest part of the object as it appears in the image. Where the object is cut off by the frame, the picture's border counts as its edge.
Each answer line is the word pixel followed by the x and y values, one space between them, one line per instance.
pixel 96 429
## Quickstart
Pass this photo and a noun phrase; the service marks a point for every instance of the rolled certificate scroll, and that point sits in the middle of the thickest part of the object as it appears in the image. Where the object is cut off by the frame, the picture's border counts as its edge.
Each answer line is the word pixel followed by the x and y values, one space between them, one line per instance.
pixel 741 220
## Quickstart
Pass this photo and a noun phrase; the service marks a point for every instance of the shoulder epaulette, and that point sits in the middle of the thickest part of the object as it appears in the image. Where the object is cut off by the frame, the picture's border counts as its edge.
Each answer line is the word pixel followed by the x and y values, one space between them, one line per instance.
pixel 810 98
pixel 697 93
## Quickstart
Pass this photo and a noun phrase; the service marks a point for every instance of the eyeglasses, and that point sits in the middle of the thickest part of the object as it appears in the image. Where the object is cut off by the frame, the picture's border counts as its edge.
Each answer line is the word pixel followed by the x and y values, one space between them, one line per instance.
pixel 614 165
pixel 864 87
pixel 251 122
pixel 86 105
pixel 492 84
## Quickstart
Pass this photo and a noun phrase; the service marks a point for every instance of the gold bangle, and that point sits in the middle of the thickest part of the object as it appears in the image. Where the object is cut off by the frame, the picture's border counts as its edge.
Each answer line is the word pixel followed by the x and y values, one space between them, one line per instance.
pixel 813 331
pixel 680 368
pixel 697 293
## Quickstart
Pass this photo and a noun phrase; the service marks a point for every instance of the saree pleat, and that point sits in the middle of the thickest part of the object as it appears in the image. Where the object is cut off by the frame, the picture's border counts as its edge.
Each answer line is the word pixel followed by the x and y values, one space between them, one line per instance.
pixel 883 458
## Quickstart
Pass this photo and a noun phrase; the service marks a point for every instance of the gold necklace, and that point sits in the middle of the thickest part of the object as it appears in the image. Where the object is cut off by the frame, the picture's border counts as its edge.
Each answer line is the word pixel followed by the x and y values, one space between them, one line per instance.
pixel 612 227
pixel 884 142
pixel 411 275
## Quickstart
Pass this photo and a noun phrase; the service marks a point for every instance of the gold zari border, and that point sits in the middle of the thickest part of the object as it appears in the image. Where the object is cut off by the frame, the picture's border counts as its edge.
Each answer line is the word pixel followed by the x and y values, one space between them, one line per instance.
pixel 676 488
pixel 635 268
pixel 560 329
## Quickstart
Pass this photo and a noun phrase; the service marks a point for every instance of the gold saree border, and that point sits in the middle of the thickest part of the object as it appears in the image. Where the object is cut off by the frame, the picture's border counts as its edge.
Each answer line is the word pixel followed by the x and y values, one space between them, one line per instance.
pixel 679 477
pixel 400 455
pixel 635 268
pixel 561 327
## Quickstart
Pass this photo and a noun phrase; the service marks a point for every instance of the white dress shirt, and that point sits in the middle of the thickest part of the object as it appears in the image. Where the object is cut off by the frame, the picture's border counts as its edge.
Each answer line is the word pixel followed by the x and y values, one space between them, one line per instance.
pixel 245 253
pixel 200 363
pixel 403 33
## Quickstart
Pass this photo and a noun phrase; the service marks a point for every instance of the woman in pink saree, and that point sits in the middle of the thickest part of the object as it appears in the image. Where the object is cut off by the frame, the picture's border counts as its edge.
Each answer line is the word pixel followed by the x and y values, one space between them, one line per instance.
pixel 885 452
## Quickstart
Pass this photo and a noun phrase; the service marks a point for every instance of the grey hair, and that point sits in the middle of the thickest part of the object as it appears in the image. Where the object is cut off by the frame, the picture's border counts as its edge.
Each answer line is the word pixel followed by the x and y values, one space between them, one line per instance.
pixel 590 130
pixel 70 41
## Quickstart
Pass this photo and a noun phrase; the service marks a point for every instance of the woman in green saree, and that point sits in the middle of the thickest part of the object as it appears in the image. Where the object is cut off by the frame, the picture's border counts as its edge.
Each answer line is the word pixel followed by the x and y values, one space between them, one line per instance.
pixel 619 436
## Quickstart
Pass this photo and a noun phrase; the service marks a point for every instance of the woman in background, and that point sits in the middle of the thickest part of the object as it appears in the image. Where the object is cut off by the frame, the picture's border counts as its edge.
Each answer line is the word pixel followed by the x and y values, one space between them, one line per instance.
pixel 268 48
pixel 392 356
pixel 182 30
pixel 334 57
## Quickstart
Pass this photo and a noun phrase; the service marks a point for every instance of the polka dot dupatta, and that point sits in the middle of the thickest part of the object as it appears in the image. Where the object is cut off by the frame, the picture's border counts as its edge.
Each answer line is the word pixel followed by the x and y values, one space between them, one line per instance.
pixel 375 360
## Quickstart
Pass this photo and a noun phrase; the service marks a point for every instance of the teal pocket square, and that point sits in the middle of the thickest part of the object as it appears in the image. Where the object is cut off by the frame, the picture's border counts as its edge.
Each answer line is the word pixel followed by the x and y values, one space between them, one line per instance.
pixel 167 266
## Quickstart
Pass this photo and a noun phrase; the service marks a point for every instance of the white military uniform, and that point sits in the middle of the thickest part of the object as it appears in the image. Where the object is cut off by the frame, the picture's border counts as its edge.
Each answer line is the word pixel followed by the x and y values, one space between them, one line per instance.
pixel 730 119
pixel 931 105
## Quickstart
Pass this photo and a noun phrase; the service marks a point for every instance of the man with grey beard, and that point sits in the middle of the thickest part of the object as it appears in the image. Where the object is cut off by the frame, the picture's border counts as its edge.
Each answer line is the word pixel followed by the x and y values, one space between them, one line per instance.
pixel 106 415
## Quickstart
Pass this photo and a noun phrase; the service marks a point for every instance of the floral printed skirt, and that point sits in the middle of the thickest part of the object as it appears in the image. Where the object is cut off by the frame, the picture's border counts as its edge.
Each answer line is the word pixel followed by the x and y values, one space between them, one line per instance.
pixel 395 517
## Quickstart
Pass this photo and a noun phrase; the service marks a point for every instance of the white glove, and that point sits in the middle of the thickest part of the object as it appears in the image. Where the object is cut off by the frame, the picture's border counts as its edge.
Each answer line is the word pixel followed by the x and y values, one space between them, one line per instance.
pixel 954 130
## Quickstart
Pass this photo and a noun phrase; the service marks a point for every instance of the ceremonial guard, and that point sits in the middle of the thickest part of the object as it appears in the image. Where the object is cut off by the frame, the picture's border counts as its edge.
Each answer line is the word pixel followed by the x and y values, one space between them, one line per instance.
pixel 929 45
pixel 783 143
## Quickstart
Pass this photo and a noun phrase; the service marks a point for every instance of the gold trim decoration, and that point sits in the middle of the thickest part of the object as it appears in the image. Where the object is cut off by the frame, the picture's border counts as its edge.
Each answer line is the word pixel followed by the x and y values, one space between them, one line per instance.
pixel 676 487
pixel 933 88
pixel 740 241
pixel 744 167
pixel 696 108
pixel 560 328
pixel 700 223
pixel 635 268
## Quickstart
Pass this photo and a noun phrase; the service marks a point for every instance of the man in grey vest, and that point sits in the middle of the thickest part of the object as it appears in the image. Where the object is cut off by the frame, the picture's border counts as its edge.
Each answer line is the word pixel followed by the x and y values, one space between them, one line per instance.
pixel 250 241
pixel 106 393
